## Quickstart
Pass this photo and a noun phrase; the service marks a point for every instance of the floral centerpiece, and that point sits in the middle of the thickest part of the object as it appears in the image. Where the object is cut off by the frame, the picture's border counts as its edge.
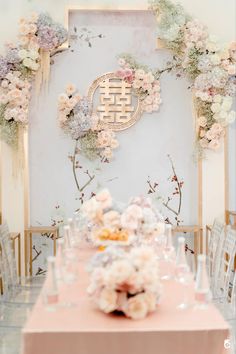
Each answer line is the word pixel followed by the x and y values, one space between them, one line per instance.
pixel 123 282
pixel 145 82
pixel 210 66
pixel 39 36
pixel 77 120
pixel 111 222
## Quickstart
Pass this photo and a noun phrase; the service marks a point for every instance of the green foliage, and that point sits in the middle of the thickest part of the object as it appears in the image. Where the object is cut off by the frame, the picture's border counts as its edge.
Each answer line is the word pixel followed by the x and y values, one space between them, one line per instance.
pixel 8 130
pixel 88 145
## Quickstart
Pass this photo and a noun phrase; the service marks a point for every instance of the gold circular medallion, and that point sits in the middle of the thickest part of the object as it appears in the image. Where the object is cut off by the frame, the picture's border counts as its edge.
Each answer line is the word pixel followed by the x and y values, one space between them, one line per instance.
pixel 113 102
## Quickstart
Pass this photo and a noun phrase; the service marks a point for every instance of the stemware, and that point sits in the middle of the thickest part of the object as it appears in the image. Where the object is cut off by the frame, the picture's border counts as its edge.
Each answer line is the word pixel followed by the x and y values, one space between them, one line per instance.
pixel 202 287
pixel 51 293
pixel 182 274
pixel 168 255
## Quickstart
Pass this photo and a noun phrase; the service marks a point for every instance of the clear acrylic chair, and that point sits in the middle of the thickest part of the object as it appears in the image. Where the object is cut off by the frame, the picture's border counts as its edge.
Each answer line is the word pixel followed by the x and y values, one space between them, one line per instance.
pixel 13 291
pixel 12 314
pixel 225 284
pixel 214 250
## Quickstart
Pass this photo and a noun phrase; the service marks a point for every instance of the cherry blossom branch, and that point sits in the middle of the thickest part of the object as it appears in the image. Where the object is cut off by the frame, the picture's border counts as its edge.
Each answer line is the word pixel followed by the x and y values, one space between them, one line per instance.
pixel 75 166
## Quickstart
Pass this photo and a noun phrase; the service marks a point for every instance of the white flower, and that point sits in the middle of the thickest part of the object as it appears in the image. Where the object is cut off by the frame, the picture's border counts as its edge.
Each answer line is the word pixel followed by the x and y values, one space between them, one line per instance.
pixel 91 208
pixel 108 300
pixel 119 272
pixel 33 54
pixel 202 121
pixel 137 307
pixel 227 103
pixel 111 218
pixel 215 107
pixel 151 301
pixel 142 256
pixel 23 53
pixel 131 217
pixel 215 59
pixel 217 98
pixel 34 17
pixel 137 84
pixel 148 78
pixel 104 199
pixel 70 89
pixel 139 74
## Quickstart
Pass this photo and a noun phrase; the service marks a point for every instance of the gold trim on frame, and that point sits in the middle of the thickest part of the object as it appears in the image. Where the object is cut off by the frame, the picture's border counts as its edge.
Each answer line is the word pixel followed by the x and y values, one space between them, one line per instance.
pixel 65 46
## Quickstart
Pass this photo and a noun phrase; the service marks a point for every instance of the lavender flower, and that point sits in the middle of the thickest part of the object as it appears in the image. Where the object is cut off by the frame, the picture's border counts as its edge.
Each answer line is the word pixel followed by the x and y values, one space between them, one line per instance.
pixel 83 106
pixel 44 20
pixel 61 33
pixel 4 67
pixel 12 56
pixel 47 38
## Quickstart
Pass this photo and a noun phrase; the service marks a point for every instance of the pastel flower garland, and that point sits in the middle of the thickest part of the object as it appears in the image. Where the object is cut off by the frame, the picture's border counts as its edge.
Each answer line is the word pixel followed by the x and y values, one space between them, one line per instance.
pixel 77 120
pixel 39 36
pixel 210 67
pixel 145 82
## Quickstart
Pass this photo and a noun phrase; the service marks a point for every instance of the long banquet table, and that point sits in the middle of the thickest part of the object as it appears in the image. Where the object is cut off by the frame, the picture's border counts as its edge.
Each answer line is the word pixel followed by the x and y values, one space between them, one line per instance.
pixel 83 329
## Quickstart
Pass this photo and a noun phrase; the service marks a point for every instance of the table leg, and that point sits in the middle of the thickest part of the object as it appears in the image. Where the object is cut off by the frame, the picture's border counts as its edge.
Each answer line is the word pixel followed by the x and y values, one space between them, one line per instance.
pixel 54 244
pixel 201 241
pixel 19 255
pixel 31 256
pixel 196 244
pixel 26 252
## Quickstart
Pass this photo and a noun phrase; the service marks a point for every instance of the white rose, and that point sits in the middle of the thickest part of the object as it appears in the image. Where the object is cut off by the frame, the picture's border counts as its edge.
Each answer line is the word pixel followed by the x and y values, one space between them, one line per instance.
pixel 142 256
pixel 137 307
pixel 108 300
pixel 227 103
pixel 23 54
pixel 202 121
pixel 119 272
pixel 104 199
pixel 111 218
pixel 139 74
pixel 215 59
pixel 222 114
pixel 33 54
pixel 91 208
pixel 151 301
pixel 27 62
pixel 215 107
pixel 137 84
pixel 217 98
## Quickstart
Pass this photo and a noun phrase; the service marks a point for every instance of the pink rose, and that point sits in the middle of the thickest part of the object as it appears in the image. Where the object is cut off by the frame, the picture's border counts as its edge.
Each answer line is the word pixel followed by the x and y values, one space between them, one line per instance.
pixel 104 199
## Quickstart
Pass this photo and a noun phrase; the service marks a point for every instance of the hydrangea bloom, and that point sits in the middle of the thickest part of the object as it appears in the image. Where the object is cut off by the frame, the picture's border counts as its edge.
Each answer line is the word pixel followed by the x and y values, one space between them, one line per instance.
pixel 47 38
pixel 4 67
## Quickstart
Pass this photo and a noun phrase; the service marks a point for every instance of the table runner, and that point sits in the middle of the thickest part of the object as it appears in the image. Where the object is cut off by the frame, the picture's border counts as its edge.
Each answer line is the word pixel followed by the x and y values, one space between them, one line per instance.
pixel 85 330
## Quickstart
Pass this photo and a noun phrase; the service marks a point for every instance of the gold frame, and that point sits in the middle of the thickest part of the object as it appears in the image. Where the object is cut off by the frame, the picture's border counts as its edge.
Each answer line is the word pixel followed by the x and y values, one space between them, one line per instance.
pixel 68 9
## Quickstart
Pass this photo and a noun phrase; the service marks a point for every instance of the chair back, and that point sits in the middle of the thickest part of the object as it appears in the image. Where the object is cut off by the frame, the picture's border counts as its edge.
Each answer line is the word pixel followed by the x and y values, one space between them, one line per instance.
pixel 225 277
pixel 215 246
pixel 8 266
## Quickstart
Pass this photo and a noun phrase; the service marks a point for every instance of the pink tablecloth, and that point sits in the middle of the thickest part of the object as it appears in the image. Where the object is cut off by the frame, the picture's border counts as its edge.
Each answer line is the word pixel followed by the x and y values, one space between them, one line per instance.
pixel 85 330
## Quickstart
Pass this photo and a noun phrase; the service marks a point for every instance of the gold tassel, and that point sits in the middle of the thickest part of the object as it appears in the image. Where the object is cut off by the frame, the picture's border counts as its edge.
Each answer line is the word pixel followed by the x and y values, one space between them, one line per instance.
pixel 43 73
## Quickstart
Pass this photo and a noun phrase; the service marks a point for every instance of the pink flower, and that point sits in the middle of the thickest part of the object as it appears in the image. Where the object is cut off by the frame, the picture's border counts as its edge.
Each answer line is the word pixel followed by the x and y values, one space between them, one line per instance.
pixel 131 217
pixel 108 300
pixel 204 143
pixel 137 307
pixel 104 199
pixel 214 144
